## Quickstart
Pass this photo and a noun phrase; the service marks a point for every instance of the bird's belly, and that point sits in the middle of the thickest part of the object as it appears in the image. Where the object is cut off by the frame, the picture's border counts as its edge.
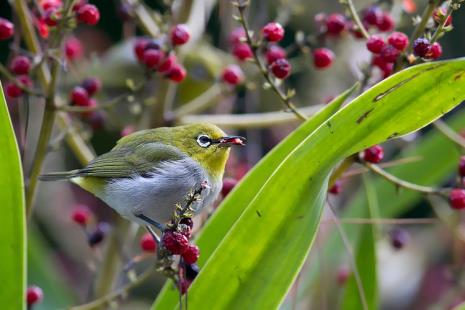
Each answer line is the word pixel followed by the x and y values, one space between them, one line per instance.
pixel 157 194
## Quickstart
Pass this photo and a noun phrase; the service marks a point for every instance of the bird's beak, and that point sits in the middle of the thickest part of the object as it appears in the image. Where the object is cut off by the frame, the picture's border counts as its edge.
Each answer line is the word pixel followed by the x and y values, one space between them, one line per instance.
pixel 231 140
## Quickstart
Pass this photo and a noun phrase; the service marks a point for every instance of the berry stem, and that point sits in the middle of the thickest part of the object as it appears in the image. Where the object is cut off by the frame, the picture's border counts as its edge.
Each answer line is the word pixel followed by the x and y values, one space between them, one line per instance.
pixel 420 28
pixel 449 133
pixel 353 13
pixel 405 184
pixel 121 292
pixel 4 71
pixel 284 98
pixel 440 30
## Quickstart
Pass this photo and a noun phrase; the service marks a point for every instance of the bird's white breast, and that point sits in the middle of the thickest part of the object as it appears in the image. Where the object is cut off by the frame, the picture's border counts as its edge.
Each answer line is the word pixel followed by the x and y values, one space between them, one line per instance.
pixel 155 194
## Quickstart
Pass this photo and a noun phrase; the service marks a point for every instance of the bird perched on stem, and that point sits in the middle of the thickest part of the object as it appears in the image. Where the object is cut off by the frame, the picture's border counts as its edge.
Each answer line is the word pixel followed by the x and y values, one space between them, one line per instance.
pixel 150 171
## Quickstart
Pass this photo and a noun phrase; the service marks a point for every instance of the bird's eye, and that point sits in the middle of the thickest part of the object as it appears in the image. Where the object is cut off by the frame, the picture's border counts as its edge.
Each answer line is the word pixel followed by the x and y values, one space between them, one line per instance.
pixel 204 141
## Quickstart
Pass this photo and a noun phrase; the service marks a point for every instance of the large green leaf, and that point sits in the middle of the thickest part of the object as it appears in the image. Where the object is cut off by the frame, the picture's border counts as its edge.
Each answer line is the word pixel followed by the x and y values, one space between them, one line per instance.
pixel 364 294
pixel 12 221
pixel 257 260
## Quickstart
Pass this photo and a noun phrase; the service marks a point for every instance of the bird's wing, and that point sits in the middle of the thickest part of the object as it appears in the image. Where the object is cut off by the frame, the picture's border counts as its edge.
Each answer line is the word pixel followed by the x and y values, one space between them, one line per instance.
pixel 126 162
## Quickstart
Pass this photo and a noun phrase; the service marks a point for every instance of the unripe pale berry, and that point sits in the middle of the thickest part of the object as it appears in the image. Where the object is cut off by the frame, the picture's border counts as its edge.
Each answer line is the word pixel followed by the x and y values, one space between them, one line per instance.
pixel 73 49
pixel 375 44
pixel 180 34
pixel 191 255
pixel 7 29
pixel 399 40
pixel 20 65
pixel 147 243
pixel 323 58
pixel 335 24
pixel 387 23
pixel 457 198
pixel 242 51
pixel 232 75
pixel 80 215
pixel 421 47
pixel 177 73
pixel 435 51
pixel 91 85
pixel 79 96
pixel 274 53
pixel 88 14
pixel 281 68
pixel 34 295
pixel 175 242
pixel 273 32
pixel 389 54
pixel 374 154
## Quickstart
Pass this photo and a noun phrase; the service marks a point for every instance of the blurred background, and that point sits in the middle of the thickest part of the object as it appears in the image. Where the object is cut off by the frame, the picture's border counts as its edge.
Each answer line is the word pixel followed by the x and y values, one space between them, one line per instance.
pixel 420 251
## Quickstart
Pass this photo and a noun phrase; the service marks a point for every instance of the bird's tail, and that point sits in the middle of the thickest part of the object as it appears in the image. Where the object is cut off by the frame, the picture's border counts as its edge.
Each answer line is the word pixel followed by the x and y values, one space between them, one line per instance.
pixel 54 176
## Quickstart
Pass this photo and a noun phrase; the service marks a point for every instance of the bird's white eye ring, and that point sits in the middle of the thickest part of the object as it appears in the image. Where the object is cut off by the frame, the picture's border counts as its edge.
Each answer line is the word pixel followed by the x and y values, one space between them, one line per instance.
pixel 204 141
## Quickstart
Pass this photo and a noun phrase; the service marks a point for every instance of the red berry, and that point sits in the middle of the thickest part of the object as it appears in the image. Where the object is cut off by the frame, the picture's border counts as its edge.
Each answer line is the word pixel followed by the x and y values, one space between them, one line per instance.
pixel 435 51
pixel 273 53
pixel 81 215
pixel 52 16
pixel 374 154
pixel 323 58
pixel 335 24
pixel 96 119
pixel 34 295
pixel 228 185
pixel 12 90
pixel 79 4
pixel 399 40
pixel 237 36
pixel 49 4
pixel 461 168
pixel 457 198
pixel 180 34
pixel 242 51
pixel 139 48
pixel 167 63
pixel 127 130
pixel 375 44
pixel 439 15
pixel 343 274
pixel 281 68
pixel 147 243
pixel 421 47
pixel 177 73
pixel 152 57
pixel 175 242
pixel 356 31
pixel 7 29
pixel 91 85
pixel 191 255
pixel 389 54
pixel 232 75
pixel 336 188
pixel 373 15
pixel 79 96
pixel 399 238
pixel 387 23
pixel 273 32
pixel 73 49
pixel 20 65
pixel 88 14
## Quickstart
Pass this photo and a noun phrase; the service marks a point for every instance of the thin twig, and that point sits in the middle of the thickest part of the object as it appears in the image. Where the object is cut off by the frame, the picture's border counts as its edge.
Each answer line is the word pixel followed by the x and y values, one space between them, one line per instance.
pixel 441 26
pixel 104 300
pixel 4 71
pixel 286 99
pixel 389 221
pixel 393 163
pixel 353 13
pixel 420 28
pixel 405 184
pixel 449 133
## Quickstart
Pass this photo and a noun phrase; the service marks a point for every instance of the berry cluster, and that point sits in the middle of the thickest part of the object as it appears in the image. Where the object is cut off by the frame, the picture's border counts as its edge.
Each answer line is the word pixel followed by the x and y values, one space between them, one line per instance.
pixel 156 55
pixel 82 216
pixel 20 67
pixel 375 17
pixel 50 13
pixel 387 53
pixel 81 95
pixel 423 48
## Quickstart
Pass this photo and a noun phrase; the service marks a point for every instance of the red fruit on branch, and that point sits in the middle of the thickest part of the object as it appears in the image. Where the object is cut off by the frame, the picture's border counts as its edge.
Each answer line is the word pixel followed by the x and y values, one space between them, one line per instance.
pixel 91 85
pixel 34 295
pixel 242 51
pixel 180 34
pixel 375 44
pixel 273 32
pixel 389 53
pixel 175 242
pixel 399 40
pixel 80 215
pixel 232 75
pixel 335 24
pixel 374 154
pixel 147 243
pixel 457 198
pixel 435 51
pixel 88 14
pixel 7 29
pixel 281 68
pixel 323 58
pixel 421 47
pixel 73 49
pixel 80 96
pixel 20 65
pixel 191 255
pixel 177 73
pixel 273 53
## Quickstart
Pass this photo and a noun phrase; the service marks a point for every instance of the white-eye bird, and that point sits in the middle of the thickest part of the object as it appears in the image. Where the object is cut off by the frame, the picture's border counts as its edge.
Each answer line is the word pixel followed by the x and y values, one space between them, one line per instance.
pixel 148 172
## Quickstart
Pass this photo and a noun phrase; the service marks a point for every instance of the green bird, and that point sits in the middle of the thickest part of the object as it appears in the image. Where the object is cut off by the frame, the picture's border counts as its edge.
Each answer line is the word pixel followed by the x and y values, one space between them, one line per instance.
pixel 150 171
